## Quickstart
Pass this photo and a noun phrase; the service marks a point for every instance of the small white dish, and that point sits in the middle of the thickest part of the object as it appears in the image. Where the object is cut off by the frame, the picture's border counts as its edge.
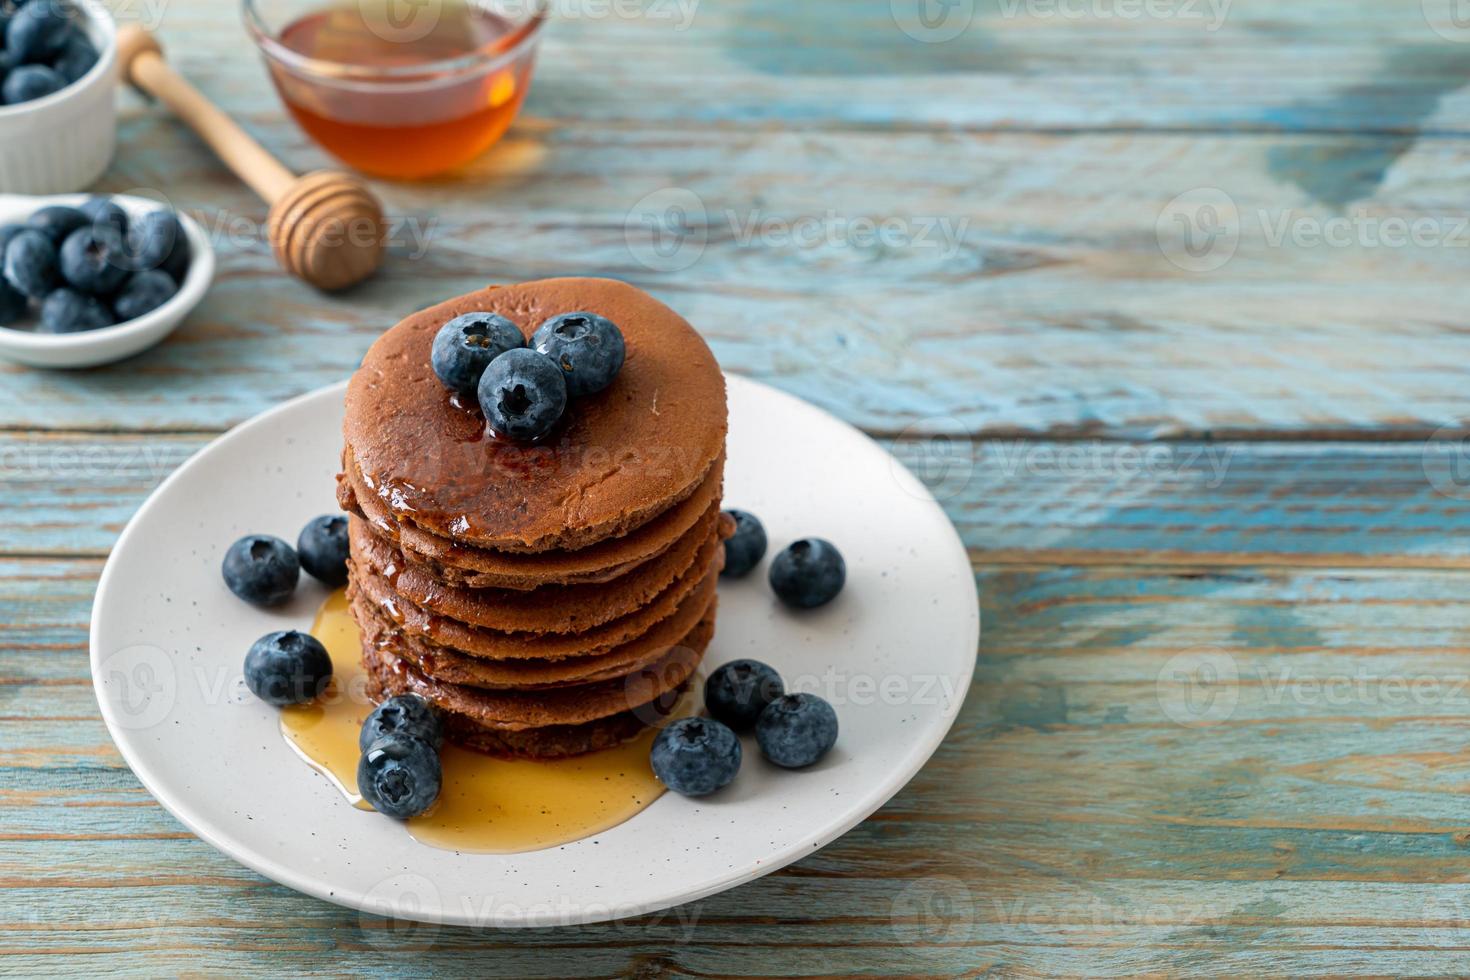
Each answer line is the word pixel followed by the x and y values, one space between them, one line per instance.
pixel 65 141
pixel 93 347
pixel 894 653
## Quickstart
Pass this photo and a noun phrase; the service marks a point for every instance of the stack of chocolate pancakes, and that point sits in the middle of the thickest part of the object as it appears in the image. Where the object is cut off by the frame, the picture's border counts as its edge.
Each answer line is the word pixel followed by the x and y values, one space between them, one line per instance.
pixel 551 599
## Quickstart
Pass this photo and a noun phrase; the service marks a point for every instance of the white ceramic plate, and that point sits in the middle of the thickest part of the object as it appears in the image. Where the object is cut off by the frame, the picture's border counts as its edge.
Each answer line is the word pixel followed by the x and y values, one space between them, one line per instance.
pixel 90 348
pixel 894 653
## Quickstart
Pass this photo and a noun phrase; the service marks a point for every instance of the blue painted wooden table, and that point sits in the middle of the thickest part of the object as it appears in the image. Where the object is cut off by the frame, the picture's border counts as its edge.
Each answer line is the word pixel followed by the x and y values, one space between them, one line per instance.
pixel 1166 300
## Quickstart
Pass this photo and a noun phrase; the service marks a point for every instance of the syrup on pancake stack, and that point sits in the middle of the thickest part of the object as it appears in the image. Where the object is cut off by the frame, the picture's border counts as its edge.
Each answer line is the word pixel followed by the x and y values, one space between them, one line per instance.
pixel 550 599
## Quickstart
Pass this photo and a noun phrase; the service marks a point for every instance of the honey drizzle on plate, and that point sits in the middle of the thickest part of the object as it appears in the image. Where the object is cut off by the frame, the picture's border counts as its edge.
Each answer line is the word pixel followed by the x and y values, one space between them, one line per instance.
pixel 487 805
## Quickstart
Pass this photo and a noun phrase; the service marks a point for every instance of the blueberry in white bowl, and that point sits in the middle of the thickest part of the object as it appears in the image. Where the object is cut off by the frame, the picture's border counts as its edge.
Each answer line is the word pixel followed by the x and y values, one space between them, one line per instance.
pixel 58 117
pixel 106 258
pixel 143 293
pixel 45 50
pixel 69 311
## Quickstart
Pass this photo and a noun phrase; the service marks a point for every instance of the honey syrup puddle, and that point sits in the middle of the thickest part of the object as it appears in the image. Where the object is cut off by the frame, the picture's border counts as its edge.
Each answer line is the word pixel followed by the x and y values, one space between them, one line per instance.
pixel 487 805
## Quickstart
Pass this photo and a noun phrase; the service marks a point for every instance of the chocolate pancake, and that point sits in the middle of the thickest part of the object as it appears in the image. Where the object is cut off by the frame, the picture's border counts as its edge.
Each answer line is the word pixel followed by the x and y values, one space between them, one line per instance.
pixel 617 459
pixel 523 710
pixel 549 609
pixel 451 666
pixel 558 741
pixel 476 641
pixel 471 567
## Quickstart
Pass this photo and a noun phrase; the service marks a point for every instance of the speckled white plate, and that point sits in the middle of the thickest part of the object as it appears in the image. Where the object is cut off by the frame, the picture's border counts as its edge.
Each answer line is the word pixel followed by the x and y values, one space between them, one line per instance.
pixel 894 653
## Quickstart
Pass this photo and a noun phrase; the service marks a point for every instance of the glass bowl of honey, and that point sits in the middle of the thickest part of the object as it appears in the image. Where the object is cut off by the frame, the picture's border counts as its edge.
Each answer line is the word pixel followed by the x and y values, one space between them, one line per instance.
pixel 403 89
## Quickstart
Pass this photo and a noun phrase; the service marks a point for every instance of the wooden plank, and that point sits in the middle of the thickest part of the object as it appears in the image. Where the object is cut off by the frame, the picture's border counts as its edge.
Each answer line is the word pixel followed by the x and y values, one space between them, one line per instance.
pixel 1027 284
pixel 1013 501
pixel 1094 810
pixel 1043 64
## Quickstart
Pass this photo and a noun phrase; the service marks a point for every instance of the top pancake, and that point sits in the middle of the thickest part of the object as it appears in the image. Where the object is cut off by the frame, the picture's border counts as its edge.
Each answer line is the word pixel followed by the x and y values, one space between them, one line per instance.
pixel 617 458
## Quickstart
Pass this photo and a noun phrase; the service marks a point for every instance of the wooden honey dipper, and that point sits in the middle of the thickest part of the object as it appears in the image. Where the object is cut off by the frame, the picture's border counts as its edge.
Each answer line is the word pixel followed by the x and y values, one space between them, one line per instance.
pixel 326 228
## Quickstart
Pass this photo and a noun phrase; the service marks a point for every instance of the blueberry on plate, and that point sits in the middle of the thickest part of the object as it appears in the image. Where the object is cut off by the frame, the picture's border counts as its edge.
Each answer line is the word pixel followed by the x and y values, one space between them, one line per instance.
pixel 695 756
pixel 522 394
pixel 92 259
pixel 12 304
pixel 809 573
pixel 142 294
pixel 157 241
pixel 796 730
pixel 68 311
pixel 261 569
pixel 400 776
pixel 588 348
pixel 739 691
pixel 402 714
pixel 37 33
pixel 322 549
pixel 30 82
pixel 745 549
pixel 77 57
pixel 465 346
pixel 58 221
pixel 30 263
pixel 105 211
pixel 287 667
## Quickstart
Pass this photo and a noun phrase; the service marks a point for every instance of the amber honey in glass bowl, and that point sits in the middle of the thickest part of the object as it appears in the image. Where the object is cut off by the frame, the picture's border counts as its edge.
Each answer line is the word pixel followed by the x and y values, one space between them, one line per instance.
pixel 401 89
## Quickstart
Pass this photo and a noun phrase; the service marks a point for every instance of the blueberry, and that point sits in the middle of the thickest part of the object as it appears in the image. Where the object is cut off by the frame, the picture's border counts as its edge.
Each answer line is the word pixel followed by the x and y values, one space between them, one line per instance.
pixel 76 58
pixel 92 260
pixel 695 756
pixel 58 221
pixel 402 714
pixel 143 293
pixel 261 569
pixel 588 348
pixel 522 395
pixel 322 548
pixel 808 573
pixel 12 304
pixel 739 691
pixel 746 548
pixel 157 241
pixel 30 263
pixel 7 232
pixel 105 211
pixel 796 730
pixel 465 346
pixel 68 311
pixel 400 776
pixel 28 83
pixel 37 33
pixel 287 668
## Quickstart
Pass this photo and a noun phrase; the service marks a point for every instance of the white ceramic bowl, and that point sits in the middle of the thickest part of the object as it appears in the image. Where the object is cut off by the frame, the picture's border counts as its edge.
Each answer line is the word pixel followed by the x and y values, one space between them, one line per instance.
pixel 93 347
pixel 63 142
